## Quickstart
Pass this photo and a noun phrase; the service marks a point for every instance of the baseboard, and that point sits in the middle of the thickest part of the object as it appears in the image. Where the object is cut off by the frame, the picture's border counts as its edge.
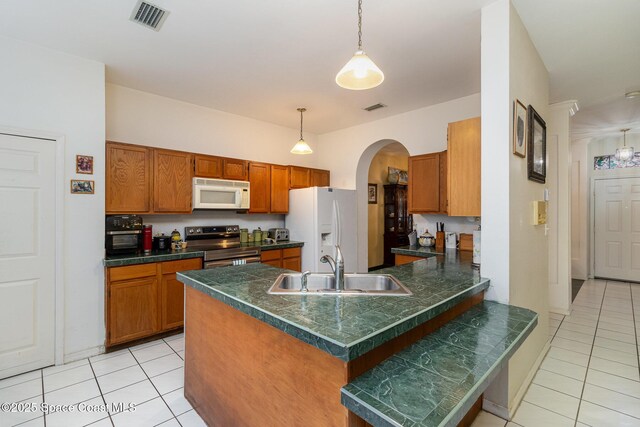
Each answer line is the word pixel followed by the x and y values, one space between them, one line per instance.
pixel 527 381
pixel 495 409
pixel 83 354
pixel 559 311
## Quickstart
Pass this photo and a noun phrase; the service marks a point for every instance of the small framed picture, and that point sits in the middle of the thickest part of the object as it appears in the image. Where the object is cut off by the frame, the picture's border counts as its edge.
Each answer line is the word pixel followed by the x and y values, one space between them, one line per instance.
pixel 536 147
pixel 84 164
pixel 80 186
pixel 373 194
pixel 519 129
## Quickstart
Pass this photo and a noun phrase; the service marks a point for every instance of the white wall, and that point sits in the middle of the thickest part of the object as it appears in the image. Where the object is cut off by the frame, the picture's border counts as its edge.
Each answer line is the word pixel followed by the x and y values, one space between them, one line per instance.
pixel 348 152
pixel 514 252
pixel 580 165
pixel 143 118
pixel 54 92
pixel 559 210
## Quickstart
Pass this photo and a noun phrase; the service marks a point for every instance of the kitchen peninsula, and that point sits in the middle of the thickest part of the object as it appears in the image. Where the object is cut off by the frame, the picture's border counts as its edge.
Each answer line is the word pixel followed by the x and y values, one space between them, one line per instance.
pixel 258 359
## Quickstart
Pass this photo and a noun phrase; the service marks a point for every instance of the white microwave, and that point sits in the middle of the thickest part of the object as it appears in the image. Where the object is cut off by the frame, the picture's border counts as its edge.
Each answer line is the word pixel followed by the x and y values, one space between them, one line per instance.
pixel 220 194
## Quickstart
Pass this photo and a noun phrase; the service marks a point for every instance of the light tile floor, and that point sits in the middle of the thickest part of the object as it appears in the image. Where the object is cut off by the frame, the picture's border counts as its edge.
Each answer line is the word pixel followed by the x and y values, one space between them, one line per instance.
pixel 150 375
pixel 590 376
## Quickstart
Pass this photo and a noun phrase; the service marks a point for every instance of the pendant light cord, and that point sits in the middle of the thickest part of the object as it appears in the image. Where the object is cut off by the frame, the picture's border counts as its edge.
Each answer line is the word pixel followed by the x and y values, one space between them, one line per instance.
pixel 301 124
pixel 359 24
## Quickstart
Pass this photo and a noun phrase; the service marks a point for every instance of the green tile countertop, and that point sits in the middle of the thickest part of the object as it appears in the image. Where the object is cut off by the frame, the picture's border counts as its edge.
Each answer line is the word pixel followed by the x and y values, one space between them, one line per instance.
pixel 418 251
pixel 155 256
pixel 435 381
pixel 159 256
pixel 277 245
pixel 343 326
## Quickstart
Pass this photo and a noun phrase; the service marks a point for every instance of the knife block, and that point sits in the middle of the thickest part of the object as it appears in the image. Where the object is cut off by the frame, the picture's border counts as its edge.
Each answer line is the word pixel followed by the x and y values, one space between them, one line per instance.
pixel 440 241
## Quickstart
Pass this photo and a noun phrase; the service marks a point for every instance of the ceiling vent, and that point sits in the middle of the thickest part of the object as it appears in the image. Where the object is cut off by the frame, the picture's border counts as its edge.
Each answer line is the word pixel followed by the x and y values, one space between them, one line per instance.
pixel 374 107
pixel 149 15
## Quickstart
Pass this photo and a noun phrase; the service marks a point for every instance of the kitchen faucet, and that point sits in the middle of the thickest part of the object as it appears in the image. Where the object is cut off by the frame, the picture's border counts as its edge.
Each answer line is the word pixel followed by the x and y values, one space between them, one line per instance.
pixel 337 265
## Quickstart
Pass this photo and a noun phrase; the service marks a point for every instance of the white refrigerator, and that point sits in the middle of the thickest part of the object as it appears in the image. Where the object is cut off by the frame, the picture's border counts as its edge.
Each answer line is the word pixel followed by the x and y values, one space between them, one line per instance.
pixel 322 217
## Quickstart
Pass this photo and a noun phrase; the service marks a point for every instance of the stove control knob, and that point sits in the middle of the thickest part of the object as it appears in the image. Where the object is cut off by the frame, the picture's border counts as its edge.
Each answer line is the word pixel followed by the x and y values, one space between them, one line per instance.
pixel 198 230
pixel 191 231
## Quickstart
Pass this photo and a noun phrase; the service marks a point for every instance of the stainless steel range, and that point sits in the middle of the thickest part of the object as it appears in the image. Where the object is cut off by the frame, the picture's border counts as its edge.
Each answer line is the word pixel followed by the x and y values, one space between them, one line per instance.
pixel 221 245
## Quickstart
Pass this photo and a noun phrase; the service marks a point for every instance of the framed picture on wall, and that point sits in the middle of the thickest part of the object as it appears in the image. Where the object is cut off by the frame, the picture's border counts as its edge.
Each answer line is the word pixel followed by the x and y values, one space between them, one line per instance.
pixel 84 164
pixel 79 186
pixel 372 194
pixel 519 129
pixel 536 146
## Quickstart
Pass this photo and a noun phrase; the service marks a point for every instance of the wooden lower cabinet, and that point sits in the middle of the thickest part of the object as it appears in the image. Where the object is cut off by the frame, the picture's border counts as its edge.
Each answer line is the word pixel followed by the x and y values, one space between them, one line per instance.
pixel 290 258
pixel 406 259
pixel 146 299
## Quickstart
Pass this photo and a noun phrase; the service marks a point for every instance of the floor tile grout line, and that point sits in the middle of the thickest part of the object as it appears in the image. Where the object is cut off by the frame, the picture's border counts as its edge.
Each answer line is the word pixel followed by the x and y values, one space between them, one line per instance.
pixel 22 382
pixel 616 391
pixel 549 410
pixel 584 383
pixel 174 350
pixel 156 388
pixel 557 391
pixel 100 390
pixel 562 375
pixel 635 327
pixel 612 410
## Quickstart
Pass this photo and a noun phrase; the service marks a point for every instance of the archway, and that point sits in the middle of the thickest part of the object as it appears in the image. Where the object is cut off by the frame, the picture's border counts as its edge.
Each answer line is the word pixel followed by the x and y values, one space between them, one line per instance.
pixel 362 181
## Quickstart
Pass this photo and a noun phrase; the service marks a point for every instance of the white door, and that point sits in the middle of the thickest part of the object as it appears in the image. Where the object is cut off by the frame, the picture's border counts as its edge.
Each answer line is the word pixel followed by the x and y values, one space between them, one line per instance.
pixel 27 254
pixel 617 229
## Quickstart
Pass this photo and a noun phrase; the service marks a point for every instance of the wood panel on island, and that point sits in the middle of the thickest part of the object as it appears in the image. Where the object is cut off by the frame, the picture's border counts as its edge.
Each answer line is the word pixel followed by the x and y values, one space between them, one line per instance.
pixel 448 182
pixel 145 299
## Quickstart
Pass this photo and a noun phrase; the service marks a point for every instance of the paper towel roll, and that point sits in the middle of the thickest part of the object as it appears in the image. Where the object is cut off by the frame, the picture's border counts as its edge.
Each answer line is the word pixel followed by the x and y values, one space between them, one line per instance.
pixel 476 247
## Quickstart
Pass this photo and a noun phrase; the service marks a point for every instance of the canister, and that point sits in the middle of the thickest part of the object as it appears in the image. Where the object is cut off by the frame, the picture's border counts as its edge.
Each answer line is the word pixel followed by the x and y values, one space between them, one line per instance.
pixel 257 235
pixel 244 235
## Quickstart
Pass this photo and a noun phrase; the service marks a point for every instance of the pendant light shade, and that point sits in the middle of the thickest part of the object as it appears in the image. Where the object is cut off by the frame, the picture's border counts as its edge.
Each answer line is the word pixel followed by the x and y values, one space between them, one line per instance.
pixel 360 72
pixel 301 146
pixel 624 153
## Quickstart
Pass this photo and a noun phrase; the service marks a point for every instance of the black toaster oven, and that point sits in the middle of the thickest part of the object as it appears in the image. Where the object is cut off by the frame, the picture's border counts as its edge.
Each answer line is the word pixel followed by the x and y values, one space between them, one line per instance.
pixel 123 234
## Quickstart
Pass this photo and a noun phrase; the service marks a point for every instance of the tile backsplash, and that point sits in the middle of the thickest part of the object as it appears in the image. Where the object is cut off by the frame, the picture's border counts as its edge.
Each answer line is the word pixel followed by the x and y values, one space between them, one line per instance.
pixel 451 223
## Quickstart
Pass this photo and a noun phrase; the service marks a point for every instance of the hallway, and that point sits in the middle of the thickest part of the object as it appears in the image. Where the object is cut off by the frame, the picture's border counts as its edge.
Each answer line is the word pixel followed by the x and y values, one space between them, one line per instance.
pixel 590 376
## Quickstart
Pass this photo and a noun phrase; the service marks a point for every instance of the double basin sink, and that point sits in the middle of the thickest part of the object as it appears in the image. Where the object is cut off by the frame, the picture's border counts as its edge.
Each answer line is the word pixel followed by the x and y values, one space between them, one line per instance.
pixel 324 284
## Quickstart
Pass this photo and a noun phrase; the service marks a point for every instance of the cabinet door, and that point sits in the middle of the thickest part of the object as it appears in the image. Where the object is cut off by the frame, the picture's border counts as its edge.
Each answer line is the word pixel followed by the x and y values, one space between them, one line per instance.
pixel 260 190
pixel 172 292
pixel 444 179
pixel 464 168
pixel 172 181
pixel 279 189
pixel 208 166
pixel 294 264
pixel 128 179
pixel 424 183
pixel 299 177
pixel 234 169
pixel 320 178
pixel 133 309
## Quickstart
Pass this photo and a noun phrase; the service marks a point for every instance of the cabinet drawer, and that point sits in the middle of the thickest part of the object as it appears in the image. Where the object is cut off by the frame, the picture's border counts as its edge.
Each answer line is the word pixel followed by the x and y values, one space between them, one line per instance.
pixel 271 255
pixel 132 272
pixel 181 265
pixel 290 252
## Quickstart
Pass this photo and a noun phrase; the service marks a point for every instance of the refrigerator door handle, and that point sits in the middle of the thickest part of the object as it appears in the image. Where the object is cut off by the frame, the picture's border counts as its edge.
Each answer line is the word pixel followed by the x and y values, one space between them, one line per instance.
pixel 336 222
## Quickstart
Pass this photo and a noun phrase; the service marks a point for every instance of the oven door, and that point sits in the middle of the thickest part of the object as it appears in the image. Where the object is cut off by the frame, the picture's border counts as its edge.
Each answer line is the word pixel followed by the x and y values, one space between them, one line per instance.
pixel 229 262
pixel 216 197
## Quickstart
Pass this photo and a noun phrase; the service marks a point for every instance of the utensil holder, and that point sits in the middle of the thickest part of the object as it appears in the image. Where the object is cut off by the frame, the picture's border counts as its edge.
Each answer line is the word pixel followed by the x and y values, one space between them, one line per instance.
pixel 440 240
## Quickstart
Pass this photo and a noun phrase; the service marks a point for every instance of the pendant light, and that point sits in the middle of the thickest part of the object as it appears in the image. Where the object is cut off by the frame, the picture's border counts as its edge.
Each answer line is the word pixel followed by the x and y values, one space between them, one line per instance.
pixel 624 153
pixel 301 146
pixel 360 72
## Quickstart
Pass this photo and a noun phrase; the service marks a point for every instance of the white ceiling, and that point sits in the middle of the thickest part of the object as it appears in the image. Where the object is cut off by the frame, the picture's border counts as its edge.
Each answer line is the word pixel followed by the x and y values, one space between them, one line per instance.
pixel 591 49
pixel 263 59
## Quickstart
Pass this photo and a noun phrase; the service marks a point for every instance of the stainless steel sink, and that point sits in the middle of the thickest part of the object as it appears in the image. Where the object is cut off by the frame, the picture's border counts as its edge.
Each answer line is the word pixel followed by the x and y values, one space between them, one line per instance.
pixel 324 284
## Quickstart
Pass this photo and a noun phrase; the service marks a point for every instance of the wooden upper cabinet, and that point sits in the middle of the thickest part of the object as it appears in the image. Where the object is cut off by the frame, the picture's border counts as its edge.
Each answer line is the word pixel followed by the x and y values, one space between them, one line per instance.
pixel 172 181
pixel 234 169
pixel 208 166
pixel 463 165
pixel 444 180
pixel 128 178
pixel 260 190
pixel 320 178
pixel 298 177
pixel 424 183
pixel 279 189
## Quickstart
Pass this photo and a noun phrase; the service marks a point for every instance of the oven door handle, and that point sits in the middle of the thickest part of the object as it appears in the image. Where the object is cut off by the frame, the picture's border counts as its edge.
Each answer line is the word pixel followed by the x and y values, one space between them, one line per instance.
pixel 230 262
pixel 117 233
